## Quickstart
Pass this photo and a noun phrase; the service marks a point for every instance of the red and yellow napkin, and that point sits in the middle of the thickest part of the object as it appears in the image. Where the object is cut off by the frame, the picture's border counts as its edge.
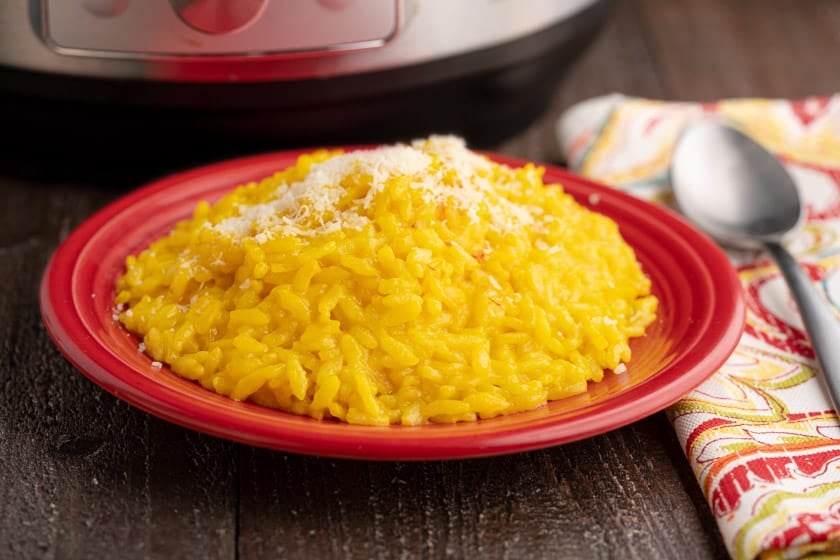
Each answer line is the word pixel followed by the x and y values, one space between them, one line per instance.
pixel 761 436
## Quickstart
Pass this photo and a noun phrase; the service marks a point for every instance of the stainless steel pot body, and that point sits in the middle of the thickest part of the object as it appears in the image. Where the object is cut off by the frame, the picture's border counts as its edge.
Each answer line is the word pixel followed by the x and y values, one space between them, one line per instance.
pixel 105 84
pixel 259 40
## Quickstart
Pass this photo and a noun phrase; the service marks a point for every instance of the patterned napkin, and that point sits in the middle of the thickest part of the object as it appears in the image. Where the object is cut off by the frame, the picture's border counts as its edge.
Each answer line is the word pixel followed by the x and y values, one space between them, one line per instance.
pixel 760 434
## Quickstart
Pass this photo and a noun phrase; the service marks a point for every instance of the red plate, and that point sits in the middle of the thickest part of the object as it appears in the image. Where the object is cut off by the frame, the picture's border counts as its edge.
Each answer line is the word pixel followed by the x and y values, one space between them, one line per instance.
pixel 701 317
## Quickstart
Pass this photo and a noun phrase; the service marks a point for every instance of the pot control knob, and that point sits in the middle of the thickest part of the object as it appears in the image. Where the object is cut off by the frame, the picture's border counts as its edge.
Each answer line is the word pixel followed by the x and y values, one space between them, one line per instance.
pixel 218 16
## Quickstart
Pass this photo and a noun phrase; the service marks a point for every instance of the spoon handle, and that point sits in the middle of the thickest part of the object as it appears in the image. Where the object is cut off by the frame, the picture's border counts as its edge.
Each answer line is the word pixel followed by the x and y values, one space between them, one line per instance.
pixel 819 319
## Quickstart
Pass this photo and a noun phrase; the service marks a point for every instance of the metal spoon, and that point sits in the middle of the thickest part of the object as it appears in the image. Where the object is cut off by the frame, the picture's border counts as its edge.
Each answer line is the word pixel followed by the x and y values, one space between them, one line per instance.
pixel 742 195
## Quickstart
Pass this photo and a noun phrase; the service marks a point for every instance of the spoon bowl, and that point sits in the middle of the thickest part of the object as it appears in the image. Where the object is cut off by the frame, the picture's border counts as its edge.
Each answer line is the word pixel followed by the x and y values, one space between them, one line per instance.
pixel 733 188
pixel 744 197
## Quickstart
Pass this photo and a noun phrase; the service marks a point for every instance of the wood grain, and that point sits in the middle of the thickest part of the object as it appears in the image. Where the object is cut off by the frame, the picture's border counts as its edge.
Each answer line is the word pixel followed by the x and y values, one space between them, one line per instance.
pixel 617 492
pixel 86 476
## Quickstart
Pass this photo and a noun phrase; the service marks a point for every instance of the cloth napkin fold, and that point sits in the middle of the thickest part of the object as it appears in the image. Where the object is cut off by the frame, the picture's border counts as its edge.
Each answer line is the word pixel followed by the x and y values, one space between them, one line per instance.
pixel 760 434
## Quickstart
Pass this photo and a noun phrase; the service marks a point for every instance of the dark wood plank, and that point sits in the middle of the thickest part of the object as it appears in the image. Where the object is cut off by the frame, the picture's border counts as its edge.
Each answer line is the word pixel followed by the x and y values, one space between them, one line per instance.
pixel 618 492
pixel 85 475
pixel 698 50
pixel 708 49
pixel 618 61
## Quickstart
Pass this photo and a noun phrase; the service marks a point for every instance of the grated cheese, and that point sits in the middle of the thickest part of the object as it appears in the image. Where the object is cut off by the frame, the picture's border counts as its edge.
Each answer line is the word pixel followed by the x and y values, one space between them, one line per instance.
pixel 311 207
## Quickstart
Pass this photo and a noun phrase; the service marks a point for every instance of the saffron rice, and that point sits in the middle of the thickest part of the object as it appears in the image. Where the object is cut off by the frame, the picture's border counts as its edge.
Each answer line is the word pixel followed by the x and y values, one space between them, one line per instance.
pixel 402 285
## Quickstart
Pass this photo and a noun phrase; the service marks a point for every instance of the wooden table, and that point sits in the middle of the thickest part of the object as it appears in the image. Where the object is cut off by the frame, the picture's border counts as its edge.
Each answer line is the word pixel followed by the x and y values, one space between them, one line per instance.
pixel 86 476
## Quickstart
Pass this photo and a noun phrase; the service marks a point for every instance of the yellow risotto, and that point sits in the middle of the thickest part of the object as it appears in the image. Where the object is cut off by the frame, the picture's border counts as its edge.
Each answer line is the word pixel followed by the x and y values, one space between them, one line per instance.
pixel 402 285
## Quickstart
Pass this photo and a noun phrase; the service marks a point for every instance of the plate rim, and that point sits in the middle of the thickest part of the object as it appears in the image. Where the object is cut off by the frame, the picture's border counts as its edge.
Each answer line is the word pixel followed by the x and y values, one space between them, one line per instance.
pixel 86 354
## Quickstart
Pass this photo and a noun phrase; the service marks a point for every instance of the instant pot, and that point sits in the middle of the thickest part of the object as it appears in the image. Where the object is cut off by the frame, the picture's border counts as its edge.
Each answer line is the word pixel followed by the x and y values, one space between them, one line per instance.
pixel 117 76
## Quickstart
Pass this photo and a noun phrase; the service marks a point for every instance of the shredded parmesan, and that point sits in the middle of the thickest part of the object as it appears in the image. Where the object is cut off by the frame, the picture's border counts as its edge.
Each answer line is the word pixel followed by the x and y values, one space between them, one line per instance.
pixel 441 168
